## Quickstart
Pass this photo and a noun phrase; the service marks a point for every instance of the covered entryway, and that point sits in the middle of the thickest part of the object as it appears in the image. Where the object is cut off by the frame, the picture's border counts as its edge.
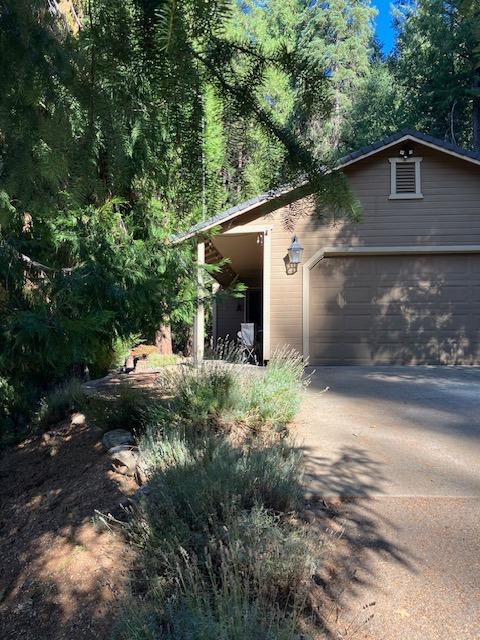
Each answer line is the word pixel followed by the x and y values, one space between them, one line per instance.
pixel 245 251
pixel 419 308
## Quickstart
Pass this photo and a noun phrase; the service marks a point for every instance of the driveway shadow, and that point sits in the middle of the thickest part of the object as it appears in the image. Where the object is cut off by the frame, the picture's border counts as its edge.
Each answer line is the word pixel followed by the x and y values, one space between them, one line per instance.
pixel 343 494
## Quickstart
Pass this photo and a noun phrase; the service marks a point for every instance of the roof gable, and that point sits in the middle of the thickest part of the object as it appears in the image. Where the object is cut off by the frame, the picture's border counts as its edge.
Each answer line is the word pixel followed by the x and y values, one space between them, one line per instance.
pixel 402 136
pixel 275 198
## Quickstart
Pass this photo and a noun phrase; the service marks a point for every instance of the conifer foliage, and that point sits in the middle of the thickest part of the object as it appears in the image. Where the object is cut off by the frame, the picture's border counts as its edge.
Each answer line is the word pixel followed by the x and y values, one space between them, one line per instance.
pixel 109 141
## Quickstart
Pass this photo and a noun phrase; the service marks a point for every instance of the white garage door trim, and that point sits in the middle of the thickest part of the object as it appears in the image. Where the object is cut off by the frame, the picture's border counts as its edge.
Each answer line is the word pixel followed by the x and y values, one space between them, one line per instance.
pixel 332 252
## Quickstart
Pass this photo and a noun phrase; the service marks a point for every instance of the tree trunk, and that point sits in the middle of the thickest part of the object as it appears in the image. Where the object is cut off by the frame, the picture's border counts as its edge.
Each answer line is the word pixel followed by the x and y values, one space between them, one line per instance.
pixel 476 110
pixel 163 339
pixel 188 349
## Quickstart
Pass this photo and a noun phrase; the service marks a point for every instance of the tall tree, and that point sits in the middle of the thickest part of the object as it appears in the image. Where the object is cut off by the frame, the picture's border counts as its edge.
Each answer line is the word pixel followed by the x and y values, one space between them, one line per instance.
pixel 254 160
pixel 105 114
pixel 376 109
pixel 334 37
pixel 435 67
pixel 470 11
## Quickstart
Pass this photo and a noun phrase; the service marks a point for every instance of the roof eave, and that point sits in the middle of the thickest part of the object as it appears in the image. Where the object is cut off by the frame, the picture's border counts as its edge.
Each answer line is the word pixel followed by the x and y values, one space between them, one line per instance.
pixel 342 163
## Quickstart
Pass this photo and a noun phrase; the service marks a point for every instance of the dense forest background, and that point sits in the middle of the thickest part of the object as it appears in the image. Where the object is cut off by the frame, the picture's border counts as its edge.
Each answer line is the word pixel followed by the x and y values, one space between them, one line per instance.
pixel 123 121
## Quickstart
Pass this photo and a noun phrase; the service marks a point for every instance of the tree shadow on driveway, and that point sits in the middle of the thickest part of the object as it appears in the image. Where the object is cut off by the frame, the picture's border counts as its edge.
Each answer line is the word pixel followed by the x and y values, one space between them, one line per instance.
pixel 340 495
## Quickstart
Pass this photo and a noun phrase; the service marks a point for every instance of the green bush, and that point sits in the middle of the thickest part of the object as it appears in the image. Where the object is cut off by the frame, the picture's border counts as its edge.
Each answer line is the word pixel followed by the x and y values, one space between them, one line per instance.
pixel 218 560
pixel 272 399
pixel 200 399
pixel 250 586
pixel 7 399
pixel 8 404
pixel 220 555
pixel 128 408
pixel 161 360
pixel 60 402
pixel 203 481
pixel 204 394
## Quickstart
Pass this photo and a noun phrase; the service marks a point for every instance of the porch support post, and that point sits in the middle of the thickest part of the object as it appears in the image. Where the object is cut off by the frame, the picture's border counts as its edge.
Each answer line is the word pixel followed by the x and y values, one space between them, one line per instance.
pixel 267 268
pixel 199 322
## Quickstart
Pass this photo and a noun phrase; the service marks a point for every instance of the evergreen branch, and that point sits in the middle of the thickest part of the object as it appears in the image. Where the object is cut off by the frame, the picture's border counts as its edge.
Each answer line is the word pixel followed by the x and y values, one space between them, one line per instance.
pixel 243 96
pixel 34 263
pixel 253 53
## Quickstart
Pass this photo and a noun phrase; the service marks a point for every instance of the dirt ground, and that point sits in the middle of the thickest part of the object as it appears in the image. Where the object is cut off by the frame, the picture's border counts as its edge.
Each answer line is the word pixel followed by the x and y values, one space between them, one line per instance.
pixel 61 574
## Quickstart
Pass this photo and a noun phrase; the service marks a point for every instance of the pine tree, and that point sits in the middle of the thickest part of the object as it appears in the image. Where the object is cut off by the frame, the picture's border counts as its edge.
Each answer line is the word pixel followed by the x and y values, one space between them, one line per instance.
pixel 435 67
pixel 334 37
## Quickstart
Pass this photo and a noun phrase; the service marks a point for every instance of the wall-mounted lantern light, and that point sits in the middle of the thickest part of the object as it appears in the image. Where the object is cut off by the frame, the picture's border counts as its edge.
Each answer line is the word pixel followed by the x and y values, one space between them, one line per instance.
pixel 295 251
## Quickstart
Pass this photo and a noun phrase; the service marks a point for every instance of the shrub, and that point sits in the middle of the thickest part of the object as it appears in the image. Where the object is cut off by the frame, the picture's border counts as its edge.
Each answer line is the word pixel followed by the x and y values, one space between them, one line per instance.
pixel 200 397
pixel 60 402
pixel 109 357
pixel 161 360
pixel 7 399
pixel 130 408
pixel 204 481
pixel 220 555
pixel 251 585
pixel 121 349
pixel 228 597
pixel 272 399
pixel 15 406
pixel 203 394
pixel 219 562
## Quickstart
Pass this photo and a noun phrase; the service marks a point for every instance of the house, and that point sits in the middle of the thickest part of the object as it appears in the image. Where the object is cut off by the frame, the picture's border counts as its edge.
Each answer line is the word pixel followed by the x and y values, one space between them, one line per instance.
pixel 400 287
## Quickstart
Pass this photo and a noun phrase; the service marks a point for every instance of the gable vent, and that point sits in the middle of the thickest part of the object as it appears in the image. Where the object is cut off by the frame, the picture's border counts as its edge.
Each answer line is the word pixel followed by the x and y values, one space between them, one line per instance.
pixel 405 177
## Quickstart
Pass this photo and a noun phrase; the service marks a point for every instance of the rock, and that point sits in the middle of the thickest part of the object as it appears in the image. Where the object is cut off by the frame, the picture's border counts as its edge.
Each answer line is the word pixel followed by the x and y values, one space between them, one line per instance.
pixel 51 442
pixel 123 447
pixel 140 474
pixel 116 437
pixel 78 419
pixel 129 363
pixel 124 460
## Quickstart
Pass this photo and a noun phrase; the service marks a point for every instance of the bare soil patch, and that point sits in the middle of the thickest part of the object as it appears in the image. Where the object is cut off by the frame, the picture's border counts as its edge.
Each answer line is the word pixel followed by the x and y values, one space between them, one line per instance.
pixel 62 575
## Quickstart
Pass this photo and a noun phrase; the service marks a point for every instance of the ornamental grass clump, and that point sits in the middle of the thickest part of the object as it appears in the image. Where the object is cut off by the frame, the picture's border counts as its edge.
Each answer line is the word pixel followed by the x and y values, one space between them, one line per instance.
pixel 61 402
pixel 221 551
pixel 272 399
pixel 202 481
pixel 251 583
pixel 199 403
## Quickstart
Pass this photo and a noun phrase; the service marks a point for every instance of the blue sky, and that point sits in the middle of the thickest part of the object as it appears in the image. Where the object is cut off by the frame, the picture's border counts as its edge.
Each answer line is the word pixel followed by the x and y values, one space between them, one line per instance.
pixel 384 24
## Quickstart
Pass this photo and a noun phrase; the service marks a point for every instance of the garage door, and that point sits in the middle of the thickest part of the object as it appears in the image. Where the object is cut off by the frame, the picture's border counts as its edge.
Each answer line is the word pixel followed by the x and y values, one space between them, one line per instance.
pixel 416 309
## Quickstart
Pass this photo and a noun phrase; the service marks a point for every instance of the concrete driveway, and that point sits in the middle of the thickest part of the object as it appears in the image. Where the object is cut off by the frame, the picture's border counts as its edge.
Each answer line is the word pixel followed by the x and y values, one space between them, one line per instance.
pixel 403 444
